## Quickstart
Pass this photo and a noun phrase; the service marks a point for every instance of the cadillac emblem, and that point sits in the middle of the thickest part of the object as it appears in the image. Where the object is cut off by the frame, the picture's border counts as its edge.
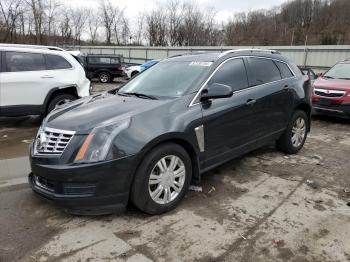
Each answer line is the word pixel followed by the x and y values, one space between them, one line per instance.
pixel 41 141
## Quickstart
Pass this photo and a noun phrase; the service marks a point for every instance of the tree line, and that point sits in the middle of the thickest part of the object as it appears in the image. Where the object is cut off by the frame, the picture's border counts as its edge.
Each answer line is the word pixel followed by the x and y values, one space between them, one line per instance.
pixel 174 23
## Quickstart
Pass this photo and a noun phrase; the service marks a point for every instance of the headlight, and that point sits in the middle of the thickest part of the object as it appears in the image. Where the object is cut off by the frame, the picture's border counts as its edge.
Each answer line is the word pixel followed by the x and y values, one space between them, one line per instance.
pixel 98 143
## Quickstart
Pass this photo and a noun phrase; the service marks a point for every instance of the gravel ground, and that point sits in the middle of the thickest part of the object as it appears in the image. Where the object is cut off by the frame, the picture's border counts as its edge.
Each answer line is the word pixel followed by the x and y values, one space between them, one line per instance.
pixel 265 206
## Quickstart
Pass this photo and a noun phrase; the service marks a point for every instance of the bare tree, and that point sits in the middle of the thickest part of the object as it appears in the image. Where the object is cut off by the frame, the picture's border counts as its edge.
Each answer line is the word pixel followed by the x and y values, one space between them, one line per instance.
pixel 108 14
pixel 78 16
pixel 10 13
pixel 140 28
pixel 94 23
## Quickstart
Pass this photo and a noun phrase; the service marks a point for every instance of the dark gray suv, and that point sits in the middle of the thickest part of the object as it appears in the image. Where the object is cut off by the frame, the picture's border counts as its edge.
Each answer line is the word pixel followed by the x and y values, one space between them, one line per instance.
pixel 151 139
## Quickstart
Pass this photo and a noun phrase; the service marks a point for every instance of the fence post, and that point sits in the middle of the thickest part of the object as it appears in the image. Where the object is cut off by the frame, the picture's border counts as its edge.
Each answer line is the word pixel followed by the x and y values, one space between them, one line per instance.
pixel 306 52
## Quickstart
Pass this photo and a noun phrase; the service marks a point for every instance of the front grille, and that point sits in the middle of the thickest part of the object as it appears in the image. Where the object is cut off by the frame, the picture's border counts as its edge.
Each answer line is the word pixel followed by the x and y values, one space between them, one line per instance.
pixel 329 92
pixel 51 141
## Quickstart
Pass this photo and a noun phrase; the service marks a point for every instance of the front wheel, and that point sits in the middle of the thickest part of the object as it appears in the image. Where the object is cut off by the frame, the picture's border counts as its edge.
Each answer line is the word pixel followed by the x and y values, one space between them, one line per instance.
pixel 162 179
pixel 60 101
pixel 293 138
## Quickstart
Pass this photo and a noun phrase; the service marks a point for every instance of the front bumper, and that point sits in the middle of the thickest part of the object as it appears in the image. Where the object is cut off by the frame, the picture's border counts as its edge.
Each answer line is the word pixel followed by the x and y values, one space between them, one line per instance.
pixel 342 110
pixel 95 189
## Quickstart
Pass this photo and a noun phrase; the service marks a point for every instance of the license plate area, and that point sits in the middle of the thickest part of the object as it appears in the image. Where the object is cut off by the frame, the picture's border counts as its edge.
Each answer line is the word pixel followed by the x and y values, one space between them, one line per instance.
pixel 325 102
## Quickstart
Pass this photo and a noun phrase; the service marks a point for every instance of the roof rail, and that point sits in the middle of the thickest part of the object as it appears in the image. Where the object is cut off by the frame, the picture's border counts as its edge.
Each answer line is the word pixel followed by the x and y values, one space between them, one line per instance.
pixel 249 50
pixel 189 53
pixel 54 48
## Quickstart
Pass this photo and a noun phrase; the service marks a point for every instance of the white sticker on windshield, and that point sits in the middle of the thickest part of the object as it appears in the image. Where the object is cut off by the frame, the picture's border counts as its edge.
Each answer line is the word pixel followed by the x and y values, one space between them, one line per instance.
pixel 197 63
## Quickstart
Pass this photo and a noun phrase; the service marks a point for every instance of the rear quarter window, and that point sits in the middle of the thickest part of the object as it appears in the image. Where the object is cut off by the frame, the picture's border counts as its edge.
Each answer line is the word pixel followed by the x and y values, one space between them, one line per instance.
pixel 23 61
pixel 57 62
pixel 263 71
pixel 284 69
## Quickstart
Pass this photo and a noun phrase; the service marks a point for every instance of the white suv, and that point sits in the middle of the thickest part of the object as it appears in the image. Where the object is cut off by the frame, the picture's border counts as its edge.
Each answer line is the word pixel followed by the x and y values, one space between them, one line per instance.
pixel 36 79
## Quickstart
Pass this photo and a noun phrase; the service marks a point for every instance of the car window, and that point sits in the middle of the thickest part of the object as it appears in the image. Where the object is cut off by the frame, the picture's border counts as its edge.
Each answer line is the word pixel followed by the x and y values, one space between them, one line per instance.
pixel 21 61
pixel 231 73
pixel 284 69
pixel 263 71
pixel 57 62
pixel 339 71
pixel 104 60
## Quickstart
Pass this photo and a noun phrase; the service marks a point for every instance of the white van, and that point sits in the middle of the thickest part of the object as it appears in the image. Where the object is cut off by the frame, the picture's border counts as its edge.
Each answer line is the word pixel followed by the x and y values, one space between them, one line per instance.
pixel 36 79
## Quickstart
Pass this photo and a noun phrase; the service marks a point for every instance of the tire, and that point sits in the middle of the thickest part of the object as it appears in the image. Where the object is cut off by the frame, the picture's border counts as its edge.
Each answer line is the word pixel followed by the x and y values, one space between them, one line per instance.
pixel 141 190
pixel 59 101
pixel 104 77
pixel 291 142
pixel 134 73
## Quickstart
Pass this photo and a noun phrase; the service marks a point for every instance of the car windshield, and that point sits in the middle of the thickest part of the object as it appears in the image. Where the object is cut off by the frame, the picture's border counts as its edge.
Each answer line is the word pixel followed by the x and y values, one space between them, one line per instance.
pixel 169 79
pixel 339 71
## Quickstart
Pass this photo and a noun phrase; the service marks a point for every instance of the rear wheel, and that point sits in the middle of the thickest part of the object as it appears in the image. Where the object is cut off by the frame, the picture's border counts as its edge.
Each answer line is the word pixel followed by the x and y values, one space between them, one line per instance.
pixel 134 73
pixel 162 179
pixel 104 77
pixel 60 101
pixel 293 138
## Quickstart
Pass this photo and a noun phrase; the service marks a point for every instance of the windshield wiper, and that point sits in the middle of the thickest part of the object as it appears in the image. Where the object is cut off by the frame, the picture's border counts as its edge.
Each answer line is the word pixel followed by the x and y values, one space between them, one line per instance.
pixel 138 95
pixel 345 78
pixel 328 77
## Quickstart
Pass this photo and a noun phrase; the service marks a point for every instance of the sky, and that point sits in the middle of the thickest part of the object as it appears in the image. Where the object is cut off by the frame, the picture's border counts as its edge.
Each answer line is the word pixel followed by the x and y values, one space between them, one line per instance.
pixel 225 8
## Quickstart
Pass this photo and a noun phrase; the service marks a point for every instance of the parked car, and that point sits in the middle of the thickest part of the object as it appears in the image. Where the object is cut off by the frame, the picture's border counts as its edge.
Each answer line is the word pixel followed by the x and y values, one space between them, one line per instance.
pixel 35 80
pixel 331 91
pixel 134 70
pixel 103 67
pixel 151 139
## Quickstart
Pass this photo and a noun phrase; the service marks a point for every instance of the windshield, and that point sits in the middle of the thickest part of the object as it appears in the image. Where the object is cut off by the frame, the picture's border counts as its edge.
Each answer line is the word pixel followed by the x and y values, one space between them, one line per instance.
pixel 171 79
pixel 339 71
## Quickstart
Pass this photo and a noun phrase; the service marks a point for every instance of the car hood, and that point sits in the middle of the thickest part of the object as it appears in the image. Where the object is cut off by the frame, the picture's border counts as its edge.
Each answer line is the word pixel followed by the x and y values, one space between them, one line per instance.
pixel 84 114
pixel 339 84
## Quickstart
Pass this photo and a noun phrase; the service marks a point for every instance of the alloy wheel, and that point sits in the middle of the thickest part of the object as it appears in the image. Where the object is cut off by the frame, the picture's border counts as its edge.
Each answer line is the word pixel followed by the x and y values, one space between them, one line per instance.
pixel 167 179
pixel 104 78
pixel 298 132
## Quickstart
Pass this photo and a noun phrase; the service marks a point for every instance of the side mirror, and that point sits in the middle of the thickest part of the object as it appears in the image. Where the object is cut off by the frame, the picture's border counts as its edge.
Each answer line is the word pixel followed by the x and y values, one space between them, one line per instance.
pixel 216 90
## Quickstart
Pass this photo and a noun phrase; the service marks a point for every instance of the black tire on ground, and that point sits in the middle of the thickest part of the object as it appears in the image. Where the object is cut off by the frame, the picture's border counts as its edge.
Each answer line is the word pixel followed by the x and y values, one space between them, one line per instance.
pixel 59 100
pixel 134 73
pixel 104 77
pixel 284 143
pixel 140 195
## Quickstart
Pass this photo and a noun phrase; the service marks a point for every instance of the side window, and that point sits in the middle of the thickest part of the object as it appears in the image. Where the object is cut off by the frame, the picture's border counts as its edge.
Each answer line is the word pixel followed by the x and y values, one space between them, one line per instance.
pixel 263 71
pixel 18 61
pixel 57 62
pixel 231 73
pixel 284 69
pixel 115 60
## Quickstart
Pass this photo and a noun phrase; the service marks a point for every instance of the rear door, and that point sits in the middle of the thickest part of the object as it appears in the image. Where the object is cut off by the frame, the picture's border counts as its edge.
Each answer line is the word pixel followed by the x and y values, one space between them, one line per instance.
pixel 271 80
pixel 24 80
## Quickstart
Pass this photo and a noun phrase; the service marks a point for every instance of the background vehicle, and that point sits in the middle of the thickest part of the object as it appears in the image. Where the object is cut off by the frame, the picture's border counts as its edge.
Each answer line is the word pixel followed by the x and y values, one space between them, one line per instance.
pixel 33 81
pixel 134 70
pixel 103 67
pixel 161 130
pixel 331 91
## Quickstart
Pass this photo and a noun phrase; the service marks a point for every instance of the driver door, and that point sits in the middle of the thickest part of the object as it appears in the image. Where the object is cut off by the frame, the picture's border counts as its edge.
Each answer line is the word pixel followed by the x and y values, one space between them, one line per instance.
pixel 229 123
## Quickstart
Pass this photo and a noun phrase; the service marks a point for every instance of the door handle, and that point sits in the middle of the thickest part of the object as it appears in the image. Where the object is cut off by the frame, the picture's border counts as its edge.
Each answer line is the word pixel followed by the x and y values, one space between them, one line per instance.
pixel 250 102
pixel 46 76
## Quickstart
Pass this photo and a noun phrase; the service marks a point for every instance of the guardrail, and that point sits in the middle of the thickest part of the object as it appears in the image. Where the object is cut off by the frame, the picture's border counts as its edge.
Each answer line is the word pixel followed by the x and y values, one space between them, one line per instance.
pixel 316 56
